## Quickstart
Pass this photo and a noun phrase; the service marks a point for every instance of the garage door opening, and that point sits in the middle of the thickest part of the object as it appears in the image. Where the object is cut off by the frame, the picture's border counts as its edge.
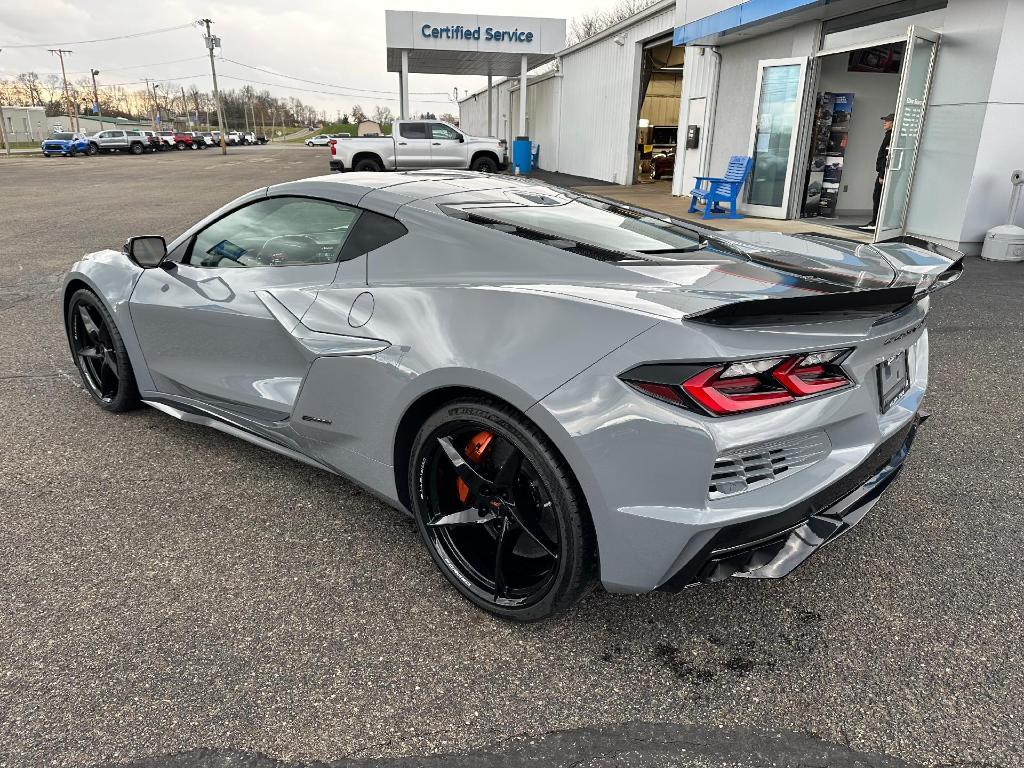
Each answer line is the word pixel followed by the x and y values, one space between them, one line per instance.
pixel 660 88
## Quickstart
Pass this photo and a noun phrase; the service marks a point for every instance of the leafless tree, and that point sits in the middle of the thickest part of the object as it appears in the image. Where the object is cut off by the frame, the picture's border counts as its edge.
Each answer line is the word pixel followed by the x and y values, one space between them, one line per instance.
pixel 382 115
pixel 587 25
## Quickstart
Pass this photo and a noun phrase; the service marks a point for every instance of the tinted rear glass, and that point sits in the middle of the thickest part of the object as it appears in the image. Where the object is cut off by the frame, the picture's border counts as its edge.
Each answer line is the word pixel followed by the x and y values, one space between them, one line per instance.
pixel 413 130
pixel 595 222
pixel 63 136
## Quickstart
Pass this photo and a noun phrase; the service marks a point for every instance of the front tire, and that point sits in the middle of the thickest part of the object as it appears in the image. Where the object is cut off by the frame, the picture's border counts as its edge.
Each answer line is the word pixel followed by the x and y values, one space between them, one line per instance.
pixel 500 512
pixel 100 354
pixel 92 150
pixel 73 152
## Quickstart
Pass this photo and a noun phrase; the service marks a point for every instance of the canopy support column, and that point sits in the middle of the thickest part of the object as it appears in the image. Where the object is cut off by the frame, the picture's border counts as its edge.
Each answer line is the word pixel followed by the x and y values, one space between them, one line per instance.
pixel 403 87
pixel 490 108
pixel 522 97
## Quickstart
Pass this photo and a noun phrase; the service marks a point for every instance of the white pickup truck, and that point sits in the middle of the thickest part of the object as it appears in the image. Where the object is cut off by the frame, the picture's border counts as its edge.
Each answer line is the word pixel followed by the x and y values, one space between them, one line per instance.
pixel 419 144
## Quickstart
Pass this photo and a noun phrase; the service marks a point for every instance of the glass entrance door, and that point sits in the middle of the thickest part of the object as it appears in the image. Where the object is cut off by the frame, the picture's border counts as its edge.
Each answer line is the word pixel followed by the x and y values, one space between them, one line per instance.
pixel 915 84
pixel 780 88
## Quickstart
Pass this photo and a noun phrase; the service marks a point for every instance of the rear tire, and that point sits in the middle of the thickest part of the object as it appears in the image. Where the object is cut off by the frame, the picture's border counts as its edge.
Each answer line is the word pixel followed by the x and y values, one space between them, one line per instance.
pixel 551 563
pixel 484 164
pixel 99 353
pixel 179 146
pixel 368 165
pixel 137 149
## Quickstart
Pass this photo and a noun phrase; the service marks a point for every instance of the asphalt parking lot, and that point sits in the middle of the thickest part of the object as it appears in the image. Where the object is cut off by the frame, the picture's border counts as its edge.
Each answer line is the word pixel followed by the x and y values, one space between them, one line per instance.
pixel 174 596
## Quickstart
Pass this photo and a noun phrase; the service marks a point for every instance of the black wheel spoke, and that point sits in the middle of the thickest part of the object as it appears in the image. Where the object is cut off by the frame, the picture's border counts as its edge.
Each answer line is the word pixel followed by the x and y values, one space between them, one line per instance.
pixel 465 517
pixel 91 329
pixel 93 353
pixel 110 363
pixel 530 528
pixel 466 473
pixel 508 469
pixel 507 538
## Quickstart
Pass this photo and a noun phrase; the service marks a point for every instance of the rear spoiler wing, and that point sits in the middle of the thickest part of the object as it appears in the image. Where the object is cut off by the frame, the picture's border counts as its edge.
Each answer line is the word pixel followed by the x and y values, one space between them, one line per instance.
pixel 847 304
pixel 877 302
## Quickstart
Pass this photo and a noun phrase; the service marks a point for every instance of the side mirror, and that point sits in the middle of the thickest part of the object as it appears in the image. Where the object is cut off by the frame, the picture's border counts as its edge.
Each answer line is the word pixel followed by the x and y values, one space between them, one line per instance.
pixel 147 251
pixel 462 139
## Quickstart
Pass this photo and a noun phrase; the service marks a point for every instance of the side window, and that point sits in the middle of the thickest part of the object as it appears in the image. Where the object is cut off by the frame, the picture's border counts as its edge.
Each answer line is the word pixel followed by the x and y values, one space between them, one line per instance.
pixel 134 133
pixel 277 232
pixel 413 130
pixel 442 131
pixel 373 230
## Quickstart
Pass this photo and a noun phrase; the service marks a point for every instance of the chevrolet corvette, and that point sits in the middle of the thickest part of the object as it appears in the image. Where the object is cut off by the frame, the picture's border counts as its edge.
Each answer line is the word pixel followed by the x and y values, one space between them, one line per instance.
pixel 560 389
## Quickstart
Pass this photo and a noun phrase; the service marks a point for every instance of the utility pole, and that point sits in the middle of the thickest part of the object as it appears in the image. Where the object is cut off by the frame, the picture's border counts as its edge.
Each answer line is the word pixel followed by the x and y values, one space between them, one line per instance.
pixel 96 96
pixel 3 130
pixel 211 43
pixel 152 120
pixel 184 106
pixel 67 96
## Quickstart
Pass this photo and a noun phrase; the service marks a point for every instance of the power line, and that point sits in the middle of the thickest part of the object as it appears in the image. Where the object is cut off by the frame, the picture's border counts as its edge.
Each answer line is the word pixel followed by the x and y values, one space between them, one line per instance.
pixel 100 39
pixel 329 93
pixel 329 85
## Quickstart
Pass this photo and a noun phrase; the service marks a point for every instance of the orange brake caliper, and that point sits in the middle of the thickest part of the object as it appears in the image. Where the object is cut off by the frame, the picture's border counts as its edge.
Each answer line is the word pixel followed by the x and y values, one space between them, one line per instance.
pixel 475 450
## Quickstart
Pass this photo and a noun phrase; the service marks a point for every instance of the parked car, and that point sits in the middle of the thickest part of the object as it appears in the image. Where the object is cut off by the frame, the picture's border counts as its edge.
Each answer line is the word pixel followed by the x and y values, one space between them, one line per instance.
pixel 207 137
pixel 156 143
pixel 320 140
pixel 183 140
pixel 568 390
pixel 248 138
pixel 68 145
pixel 261 138
pixel 168 138
pixel 121 141
pixel 233 138
pixel 419 144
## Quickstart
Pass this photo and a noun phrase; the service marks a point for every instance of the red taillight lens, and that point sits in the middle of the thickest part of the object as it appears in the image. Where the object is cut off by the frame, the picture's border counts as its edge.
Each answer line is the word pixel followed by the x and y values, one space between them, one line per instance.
pixel 331 144
pixel 728 388
pixel 802 379
pixel 735 395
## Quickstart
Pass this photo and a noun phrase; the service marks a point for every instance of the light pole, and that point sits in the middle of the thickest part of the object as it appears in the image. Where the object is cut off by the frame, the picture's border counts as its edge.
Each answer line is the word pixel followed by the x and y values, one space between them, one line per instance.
pixel 156 103
pixel 96 96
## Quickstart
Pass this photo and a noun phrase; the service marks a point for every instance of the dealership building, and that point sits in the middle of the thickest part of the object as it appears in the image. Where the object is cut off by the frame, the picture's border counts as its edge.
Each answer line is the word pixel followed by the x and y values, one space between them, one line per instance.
pixel 797 85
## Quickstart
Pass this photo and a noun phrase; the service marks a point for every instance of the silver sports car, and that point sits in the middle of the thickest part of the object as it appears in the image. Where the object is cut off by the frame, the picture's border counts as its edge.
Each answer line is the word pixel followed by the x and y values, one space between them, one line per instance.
pixel 560 389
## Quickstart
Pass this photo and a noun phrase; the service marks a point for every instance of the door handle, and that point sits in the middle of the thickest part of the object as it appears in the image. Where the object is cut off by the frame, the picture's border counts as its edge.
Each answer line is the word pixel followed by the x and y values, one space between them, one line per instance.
pixel 437 144
pixel 401 143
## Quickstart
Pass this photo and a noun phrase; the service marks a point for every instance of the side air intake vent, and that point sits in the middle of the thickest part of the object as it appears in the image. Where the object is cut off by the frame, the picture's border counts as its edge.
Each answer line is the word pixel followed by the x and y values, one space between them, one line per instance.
pixel 753 466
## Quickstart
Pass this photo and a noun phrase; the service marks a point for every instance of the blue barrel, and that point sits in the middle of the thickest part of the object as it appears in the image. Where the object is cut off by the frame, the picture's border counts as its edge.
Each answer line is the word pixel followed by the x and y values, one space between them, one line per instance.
pixel 522 155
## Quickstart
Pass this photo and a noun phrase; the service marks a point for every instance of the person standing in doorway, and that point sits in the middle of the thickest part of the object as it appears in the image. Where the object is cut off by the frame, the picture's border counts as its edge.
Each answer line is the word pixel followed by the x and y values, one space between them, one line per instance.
pixel 881 163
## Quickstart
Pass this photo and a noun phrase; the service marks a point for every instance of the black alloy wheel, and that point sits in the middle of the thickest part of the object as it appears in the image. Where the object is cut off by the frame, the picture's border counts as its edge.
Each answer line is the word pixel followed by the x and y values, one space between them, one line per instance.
pixel 100 354
pixel 137 148
pixel 73 152
pixel 368 165
pixel 92 150
pixel 500 512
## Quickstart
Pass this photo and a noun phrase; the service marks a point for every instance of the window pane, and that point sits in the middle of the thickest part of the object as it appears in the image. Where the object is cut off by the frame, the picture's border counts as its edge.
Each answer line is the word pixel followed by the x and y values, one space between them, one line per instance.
pixel 413 131
pixel 776 121
pixel 440 131
pixel 285 231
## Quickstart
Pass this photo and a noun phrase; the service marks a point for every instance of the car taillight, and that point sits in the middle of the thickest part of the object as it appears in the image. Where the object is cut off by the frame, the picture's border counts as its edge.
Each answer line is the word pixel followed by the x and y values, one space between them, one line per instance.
pixel 723 389
pixel 331 144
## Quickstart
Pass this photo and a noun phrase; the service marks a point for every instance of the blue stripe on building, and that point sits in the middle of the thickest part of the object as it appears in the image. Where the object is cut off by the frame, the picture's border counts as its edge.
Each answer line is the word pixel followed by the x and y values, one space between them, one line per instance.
pixel 734 17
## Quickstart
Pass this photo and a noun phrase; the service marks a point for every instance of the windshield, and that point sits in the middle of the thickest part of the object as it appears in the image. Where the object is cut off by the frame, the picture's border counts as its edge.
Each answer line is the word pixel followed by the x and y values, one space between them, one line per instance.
pixel 599 223
pixel 63 136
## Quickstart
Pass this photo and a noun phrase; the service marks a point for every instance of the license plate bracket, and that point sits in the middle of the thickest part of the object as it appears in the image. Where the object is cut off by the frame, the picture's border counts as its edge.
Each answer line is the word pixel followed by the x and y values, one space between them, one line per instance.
pixel 893 380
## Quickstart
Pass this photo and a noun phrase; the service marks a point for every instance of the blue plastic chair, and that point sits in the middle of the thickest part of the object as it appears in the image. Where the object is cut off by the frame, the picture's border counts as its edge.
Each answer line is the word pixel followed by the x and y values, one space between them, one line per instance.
pixel 713 191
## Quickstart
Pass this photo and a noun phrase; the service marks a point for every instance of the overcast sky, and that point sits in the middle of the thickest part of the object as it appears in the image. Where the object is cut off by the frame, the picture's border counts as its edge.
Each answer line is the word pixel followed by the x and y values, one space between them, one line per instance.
pixel 340 42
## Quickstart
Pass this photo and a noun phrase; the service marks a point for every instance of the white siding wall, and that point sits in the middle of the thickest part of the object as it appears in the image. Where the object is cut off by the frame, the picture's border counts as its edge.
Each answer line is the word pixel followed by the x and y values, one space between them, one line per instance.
pixel 585 118
pixel 600 90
